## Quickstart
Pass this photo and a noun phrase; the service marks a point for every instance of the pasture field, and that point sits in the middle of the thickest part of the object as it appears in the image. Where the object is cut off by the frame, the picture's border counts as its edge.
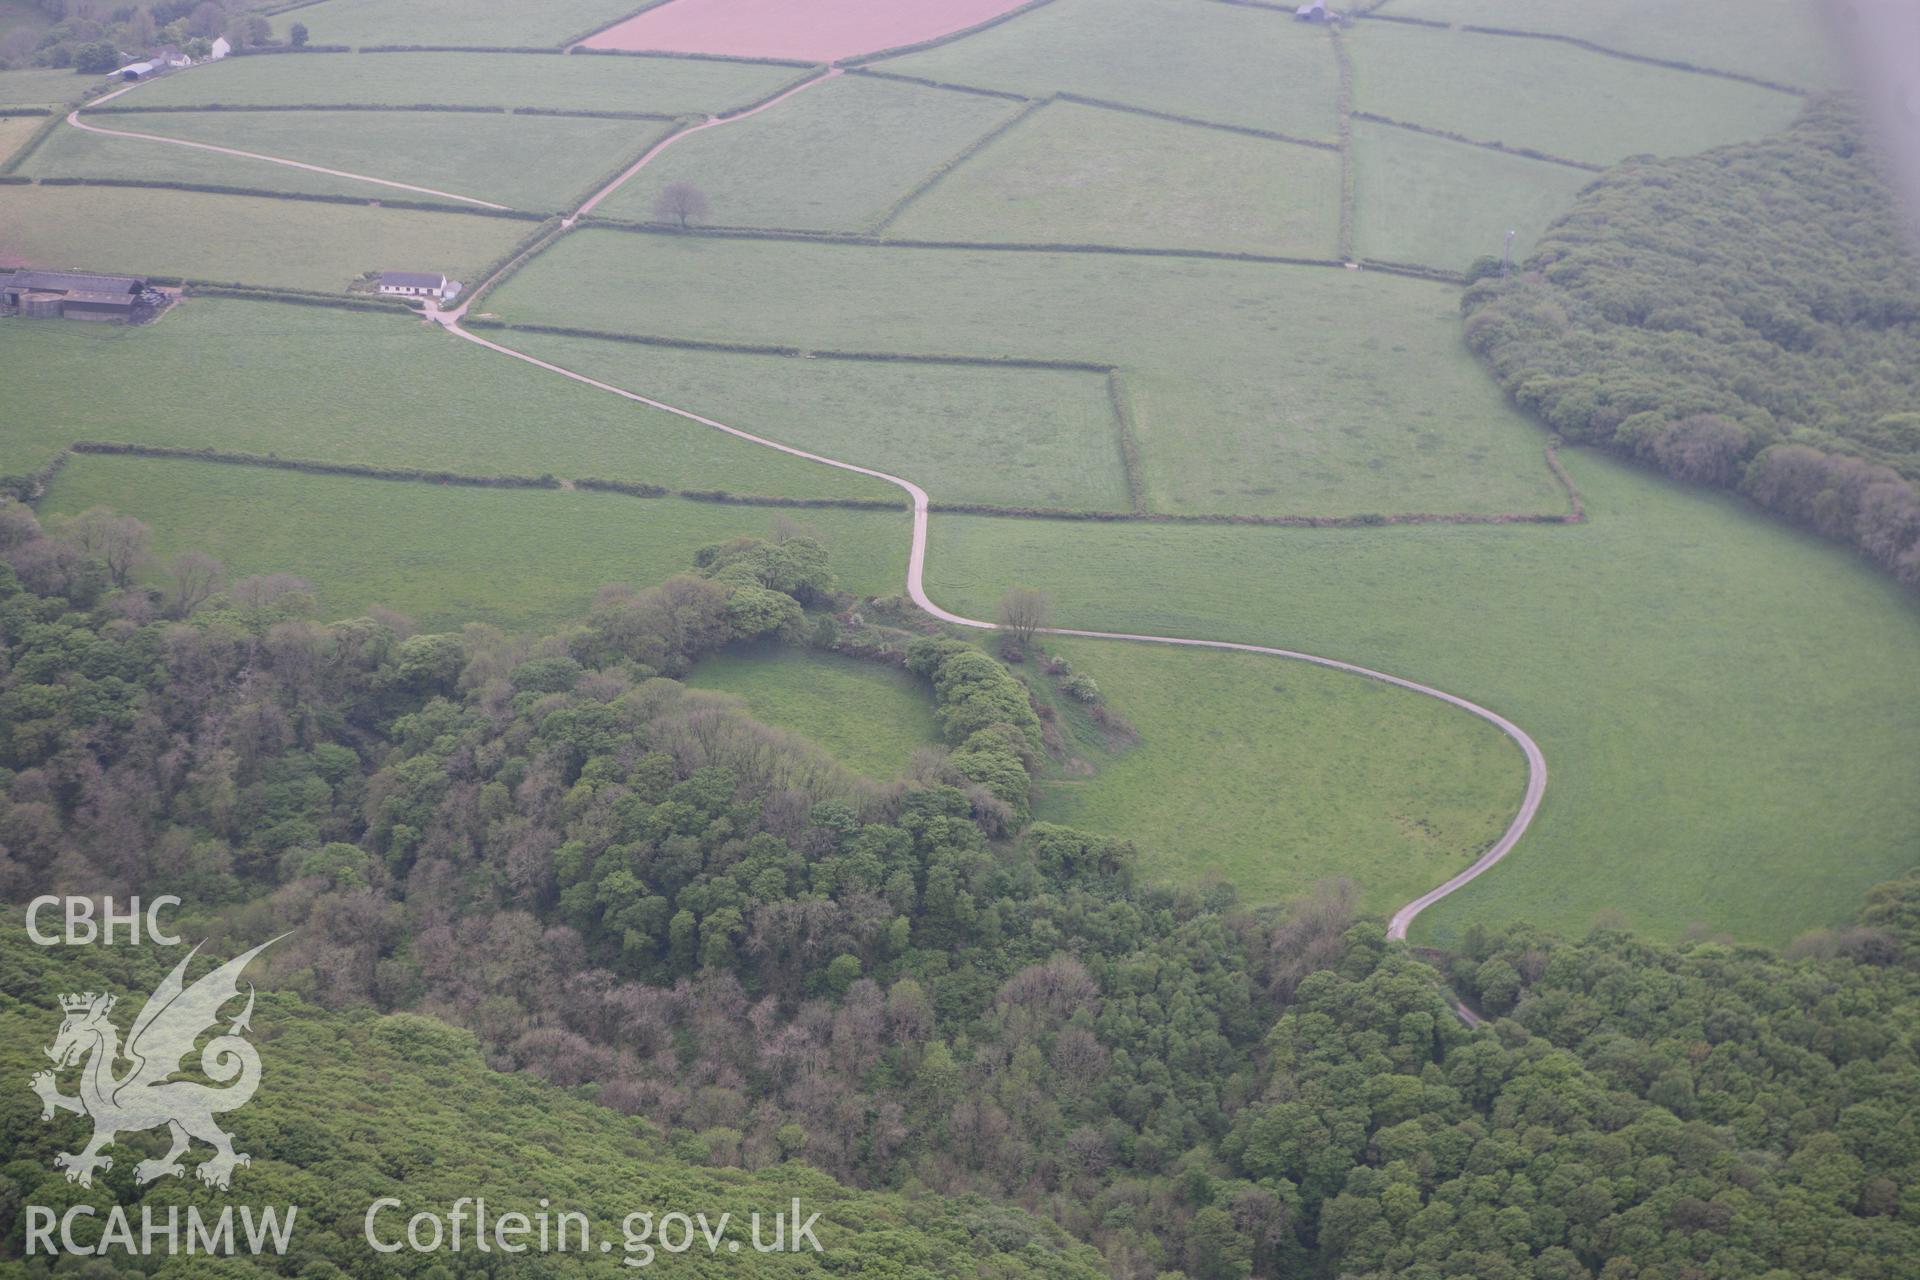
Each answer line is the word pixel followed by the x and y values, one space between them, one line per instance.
pixel 14 132
pixel 1715 694
pixel 1272 775
pixel 1442 204
pixel 665 86
pixel 833 158
pixel 1551 97
pixel 441 555
pixel 1215 62
pixel 1281 389
pixel 42 86
pixel 820 31
pixel 1009 437
pixel 1081 174
pixel 451 22
pixel 1780 40
pixel 335 386
pixel 238 238
pixel 870 716
pixel 539 163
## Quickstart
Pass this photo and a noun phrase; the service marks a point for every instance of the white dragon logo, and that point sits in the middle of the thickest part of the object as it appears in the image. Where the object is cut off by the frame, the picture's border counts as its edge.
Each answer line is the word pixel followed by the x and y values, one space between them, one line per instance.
pixel 146 1096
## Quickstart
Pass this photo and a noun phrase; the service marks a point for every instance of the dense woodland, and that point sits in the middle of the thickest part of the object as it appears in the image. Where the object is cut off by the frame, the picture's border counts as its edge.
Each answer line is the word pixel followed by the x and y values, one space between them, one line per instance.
pixel 1746 318
pixel 643 897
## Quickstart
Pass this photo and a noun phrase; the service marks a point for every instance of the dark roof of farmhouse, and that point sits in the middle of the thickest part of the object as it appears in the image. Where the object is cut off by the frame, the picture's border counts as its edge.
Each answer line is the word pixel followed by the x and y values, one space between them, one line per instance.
pixel 71 282
pixel 412 279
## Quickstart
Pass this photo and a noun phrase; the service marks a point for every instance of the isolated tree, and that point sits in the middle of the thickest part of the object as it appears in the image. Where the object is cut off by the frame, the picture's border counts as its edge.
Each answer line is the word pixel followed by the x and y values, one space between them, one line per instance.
pixel 297 37
pixel 196 576
pixel 1023 611
pixel 680 202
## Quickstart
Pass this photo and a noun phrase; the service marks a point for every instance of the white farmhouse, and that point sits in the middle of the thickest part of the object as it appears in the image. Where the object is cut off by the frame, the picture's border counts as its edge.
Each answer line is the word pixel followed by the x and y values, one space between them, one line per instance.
pixel 417 284
pixel 221 48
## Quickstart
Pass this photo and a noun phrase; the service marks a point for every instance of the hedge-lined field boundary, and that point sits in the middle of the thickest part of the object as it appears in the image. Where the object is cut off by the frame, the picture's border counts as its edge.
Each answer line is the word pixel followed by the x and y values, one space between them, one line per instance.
pixel 1670 64
pixel 771 349
pixel 26 111
pixel 276 293
pixel 678 55
pixel 1405 21
pixel 459 48
pixel 15 180
pixel 935 42
pixel 1271 135
pixel 136 109
pixel 265 193
pixel 1130 464
pixel 1418 271
pixel 892 213
pixel 32 486
pixel 274 462
pixel 502 269
pixel 1528 153
pixel 1343 118
pixel 984 246
pixel 951 86
pixel 612 176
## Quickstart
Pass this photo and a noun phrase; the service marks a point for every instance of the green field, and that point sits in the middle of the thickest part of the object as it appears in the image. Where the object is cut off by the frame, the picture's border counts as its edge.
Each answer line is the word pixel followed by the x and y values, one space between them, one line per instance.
pixel 309 382
pixel 42 86
pixel 1442 204
pixel 1272 775
pixel 667 86
pixel 540 163
pixel 460 22
pixel 1080 174
pixel 1010 437
pixel 1778 40
pixel 442 555
pixel 14 132
pixel 872 717
pixel 1716 695
pixel 1551 97
pixel 1214 62
pixel 831 159
pixel 250 240
pixel 1283 389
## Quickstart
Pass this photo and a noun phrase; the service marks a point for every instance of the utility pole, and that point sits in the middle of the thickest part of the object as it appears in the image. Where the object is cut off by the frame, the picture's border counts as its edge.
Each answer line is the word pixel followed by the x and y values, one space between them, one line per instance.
pixel 1506 259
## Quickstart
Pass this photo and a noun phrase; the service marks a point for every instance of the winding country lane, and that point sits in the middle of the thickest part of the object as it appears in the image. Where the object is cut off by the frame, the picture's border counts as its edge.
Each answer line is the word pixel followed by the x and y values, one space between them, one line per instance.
pixel 73 118
pixel 917 558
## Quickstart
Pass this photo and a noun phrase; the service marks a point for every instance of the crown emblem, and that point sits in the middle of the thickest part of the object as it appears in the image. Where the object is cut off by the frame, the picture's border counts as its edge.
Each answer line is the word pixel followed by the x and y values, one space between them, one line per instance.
pixel 77 1004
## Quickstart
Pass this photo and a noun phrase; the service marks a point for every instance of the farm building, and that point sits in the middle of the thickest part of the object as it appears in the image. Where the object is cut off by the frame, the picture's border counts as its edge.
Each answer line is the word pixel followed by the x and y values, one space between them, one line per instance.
pixel 417 284
pixel 221 48
pixel 136 71
pixel 67 295
pixel 1313 12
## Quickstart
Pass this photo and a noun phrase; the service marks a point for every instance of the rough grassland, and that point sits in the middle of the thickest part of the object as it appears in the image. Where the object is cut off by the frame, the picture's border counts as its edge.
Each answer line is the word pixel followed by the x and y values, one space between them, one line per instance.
pixel 466 22
pixel 669 86
pixel 1214 62
pixel 541 163
pixel 1080 174
pixel 831 159
pixel 237 238
pixel 1780 40
pixel 307 382
pixel 1717 696
pixel 447 556
pixel 1281 389
pixel 1443 204
pixel 42 86
pixel 1273 775
pixel 1011 437
pixel 872 717
pixel 1553 98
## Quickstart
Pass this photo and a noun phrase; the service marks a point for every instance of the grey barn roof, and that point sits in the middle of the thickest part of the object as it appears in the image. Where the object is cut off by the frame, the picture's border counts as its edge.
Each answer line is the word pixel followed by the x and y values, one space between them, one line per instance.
pixel 412 279
pixel 73 282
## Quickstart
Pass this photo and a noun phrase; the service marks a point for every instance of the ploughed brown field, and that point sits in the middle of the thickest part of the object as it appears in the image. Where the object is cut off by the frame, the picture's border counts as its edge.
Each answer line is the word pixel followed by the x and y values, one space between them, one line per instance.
pixel 822 31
